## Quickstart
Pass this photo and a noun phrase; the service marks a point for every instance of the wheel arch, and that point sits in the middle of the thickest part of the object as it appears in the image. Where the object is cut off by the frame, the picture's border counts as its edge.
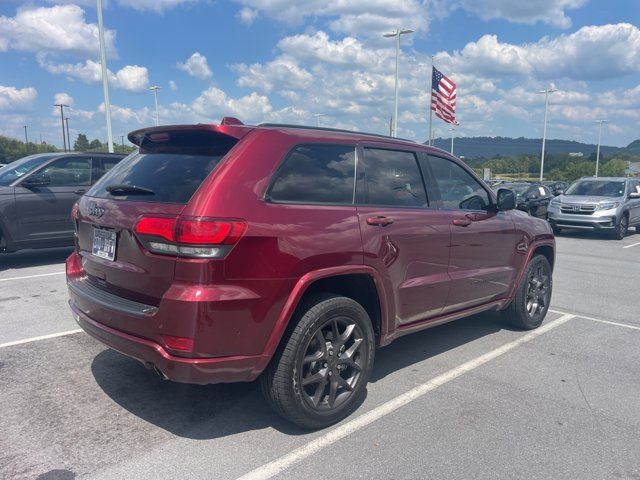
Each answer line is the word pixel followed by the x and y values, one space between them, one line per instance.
pixel 359 282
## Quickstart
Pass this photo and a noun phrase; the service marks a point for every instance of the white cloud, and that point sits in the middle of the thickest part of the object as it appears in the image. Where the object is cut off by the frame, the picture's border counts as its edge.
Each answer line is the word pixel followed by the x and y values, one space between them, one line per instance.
pixel 214 103
pixel 158 6
pixel 173 86
pixel 196 66
pixel 16 99
pixel 552 12
pixel 61 28
pixel 364 17
pixel 131 78
pixel 63 99
pixel 247 15
pixel 280 73
pixel 591 53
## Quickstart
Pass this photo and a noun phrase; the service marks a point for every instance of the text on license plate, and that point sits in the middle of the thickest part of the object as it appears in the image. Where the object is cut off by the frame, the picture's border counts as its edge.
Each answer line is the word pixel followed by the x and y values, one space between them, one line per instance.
pixel 104 243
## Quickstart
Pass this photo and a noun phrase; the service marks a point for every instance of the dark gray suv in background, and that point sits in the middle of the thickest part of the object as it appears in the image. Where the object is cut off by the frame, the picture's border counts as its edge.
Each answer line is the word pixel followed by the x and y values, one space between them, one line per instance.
pixel 37 193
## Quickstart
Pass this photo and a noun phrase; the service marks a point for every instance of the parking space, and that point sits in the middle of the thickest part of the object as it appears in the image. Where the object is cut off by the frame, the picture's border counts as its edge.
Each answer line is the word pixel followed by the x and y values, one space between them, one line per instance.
pixel 470 396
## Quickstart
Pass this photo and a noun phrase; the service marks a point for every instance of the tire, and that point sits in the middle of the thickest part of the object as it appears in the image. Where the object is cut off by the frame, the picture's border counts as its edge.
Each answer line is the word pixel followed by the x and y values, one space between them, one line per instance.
pixel 638 229
pixel 311 381
pixel 622 228
pixel 531 301
pixel 556 230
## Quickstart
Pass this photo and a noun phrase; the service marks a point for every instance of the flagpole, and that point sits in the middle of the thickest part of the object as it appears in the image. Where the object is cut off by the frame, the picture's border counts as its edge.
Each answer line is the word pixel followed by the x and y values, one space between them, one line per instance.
pixel 430 100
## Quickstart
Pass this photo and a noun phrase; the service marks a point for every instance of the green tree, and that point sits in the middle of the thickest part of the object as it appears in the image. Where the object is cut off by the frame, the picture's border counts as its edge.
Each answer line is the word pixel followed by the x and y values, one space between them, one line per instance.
pixel 81 144
pixel 613 168
pixel 95 145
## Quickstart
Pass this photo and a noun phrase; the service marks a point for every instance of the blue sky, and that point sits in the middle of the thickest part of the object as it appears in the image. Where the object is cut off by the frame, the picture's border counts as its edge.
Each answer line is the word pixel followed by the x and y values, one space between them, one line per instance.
pixel 286 60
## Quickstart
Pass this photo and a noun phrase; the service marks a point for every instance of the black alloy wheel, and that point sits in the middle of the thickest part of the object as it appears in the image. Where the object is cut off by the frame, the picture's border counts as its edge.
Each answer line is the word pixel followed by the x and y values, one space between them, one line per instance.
pixel 330 366
pixel 319 373
pixel 531 302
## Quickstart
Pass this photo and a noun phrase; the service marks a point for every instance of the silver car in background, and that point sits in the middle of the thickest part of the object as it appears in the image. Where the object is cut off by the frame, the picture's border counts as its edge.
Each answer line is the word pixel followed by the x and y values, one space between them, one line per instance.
pixel 605 203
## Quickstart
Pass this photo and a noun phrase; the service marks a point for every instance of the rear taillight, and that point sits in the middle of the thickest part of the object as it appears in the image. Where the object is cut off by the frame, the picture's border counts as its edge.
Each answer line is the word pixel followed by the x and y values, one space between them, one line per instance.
pixel 190 237
pixel 73 266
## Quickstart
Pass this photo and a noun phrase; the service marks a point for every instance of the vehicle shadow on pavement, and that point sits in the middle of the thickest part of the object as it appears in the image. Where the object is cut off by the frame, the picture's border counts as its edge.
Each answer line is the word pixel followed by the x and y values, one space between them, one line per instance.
pixel 213 411
pixel 420 346
pixel 34 258
pixel 192 411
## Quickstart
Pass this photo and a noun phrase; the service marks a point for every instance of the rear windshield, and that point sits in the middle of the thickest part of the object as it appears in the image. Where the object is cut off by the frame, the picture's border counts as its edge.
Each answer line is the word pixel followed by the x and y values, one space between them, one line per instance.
pixel 159 177
pixel 597 188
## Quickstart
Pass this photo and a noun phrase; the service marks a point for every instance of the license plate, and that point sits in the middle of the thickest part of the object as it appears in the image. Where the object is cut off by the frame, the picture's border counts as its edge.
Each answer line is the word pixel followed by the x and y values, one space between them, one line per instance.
pixel 104 243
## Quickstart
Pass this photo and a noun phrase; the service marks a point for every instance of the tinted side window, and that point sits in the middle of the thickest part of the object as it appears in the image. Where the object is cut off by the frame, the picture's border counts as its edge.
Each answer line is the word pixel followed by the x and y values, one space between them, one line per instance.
pixel 393 178
pixel 458 189
pixel 316 174
pixel 102 166
pixel 72 171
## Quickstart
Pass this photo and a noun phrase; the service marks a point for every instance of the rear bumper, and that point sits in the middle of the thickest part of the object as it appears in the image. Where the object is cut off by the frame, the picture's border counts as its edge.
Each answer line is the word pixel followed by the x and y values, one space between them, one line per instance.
pixel 179 369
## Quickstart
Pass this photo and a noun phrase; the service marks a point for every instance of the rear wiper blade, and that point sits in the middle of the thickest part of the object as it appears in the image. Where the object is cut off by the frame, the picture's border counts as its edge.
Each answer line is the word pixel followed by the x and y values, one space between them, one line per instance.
pixel 122 189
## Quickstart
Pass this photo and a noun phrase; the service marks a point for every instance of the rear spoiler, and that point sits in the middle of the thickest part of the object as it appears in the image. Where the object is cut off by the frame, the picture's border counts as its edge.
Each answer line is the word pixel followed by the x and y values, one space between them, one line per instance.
pixel 188 137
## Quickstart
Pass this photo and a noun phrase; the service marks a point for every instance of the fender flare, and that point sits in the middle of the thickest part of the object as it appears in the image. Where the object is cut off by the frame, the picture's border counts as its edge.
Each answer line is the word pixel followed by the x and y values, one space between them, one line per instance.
pixel 532 248
pixel 298 292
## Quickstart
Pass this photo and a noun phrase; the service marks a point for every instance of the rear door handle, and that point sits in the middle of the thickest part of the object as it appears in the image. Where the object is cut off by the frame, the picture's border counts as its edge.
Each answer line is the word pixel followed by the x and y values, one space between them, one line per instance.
pixel 80 191
pixel 461 222
pixel 379 221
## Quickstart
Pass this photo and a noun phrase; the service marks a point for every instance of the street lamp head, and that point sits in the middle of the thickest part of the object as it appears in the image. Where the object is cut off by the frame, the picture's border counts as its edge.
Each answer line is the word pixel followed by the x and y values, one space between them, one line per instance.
pixel 398 32
pixel 155 87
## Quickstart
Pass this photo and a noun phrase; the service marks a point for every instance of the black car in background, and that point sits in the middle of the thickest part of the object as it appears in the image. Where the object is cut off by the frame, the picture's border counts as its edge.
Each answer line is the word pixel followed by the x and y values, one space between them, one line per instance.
pixel 532 198
pixel 37 193
pixel 556 187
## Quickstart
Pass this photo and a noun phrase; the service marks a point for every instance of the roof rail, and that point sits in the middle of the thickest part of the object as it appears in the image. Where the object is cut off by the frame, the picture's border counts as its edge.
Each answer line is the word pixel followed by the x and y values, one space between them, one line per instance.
pixel 327 129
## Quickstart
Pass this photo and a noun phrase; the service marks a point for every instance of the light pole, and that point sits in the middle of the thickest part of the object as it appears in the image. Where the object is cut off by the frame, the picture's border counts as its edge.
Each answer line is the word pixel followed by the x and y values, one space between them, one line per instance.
pixel 105 82
pixel 26 138
pixel 396 34
pixel 453 134
pixel 600 122
pixel 66 120
pixel 64 137
pixel 544 129
pixel 155 89
pixel 122 142
pixel 318 116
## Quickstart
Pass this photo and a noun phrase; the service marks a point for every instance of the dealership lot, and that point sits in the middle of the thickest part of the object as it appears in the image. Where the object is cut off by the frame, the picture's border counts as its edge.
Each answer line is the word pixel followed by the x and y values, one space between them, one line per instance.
pixel 473 398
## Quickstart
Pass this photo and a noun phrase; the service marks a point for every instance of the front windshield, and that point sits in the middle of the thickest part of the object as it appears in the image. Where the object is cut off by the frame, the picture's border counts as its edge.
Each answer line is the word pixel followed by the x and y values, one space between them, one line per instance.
pixel 12 172
pixel 597 188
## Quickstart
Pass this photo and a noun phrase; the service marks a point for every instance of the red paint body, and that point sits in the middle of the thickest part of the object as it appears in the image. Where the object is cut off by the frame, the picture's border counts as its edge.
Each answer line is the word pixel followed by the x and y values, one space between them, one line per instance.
pixel 425 268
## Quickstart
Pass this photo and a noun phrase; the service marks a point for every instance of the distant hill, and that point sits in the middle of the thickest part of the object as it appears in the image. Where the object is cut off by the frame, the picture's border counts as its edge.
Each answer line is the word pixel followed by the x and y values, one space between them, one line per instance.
pixel 489 147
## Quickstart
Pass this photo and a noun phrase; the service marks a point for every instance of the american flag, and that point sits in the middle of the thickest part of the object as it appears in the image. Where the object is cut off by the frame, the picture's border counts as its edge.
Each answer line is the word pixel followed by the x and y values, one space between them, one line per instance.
pixel 443 97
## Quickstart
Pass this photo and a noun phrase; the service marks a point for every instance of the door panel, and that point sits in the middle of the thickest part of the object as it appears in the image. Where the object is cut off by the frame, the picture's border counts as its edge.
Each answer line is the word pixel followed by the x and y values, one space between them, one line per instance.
pixel 482 258
pixel 482 240
pixel 412 254
pixel 403 239
pixel 45 211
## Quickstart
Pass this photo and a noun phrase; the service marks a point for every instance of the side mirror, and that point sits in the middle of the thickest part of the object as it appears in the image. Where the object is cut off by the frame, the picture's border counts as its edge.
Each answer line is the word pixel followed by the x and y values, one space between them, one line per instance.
pixel 38 180
pixel 506 199
pixel 634 195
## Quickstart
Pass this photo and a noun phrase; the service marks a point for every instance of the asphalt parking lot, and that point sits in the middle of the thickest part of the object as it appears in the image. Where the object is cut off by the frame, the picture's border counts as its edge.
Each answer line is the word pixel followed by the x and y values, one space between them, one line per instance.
pixel 470 399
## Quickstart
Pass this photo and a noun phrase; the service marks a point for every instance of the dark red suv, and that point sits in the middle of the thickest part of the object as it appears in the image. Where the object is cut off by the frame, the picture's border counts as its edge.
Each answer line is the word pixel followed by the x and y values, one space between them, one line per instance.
pixel 224 253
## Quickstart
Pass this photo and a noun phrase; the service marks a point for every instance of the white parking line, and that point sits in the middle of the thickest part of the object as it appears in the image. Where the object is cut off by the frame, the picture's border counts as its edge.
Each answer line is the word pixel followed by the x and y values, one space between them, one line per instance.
pixel 632 245
pixel 31 276
pixel 272 469
pixel 599 320
pixel 42 337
